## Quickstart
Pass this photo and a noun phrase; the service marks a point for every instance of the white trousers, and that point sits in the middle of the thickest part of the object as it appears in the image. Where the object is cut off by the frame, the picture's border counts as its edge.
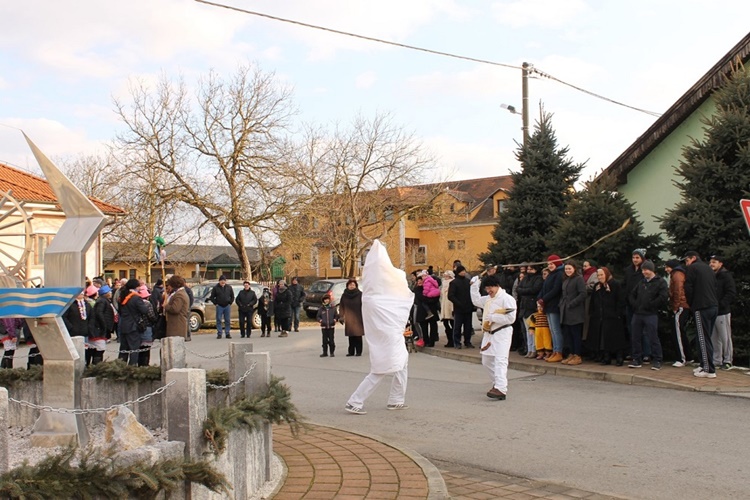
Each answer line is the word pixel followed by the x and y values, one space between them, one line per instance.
pixel 721 339
pixel 497 366
pixel 371 382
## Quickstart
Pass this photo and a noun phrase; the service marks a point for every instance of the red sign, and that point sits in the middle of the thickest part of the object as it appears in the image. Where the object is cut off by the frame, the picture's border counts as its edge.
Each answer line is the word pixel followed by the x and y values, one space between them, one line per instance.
pixel 745 207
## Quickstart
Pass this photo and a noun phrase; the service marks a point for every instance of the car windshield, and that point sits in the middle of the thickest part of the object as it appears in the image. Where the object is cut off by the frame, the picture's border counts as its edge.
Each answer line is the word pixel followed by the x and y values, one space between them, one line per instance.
pixel 320 286
pixel 200 290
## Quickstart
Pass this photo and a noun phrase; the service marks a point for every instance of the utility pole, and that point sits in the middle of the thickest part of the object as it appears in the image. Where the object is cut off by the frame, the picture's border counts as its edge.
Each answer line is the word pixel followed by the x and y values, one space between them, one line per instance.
pixel 525 69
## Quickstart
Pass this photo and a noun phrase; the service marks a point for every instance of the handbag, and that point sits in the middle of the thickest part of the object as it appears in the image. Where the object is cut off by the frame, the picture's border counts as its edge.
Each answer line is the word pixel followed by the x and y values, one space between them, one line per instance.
pixel 159 329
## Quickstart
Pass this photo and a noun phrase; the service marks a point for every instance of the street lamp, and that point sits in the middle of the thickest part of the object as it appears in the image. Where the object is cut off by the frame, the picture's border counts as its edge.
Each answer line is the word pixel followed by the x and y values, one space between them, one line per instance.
pixel 511 109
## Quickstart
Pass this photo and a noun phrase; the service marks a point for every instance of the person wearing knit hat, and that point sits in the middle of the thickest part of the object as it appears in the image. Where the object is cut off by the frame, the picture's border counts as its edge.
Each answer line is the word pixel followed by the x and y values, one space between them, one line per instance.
pixel 104 325
pixel 92 291
pixel 646 299
pixel 459 294
pixel 632 276
pixel 726 293
pixel 549 300
pixel 680 309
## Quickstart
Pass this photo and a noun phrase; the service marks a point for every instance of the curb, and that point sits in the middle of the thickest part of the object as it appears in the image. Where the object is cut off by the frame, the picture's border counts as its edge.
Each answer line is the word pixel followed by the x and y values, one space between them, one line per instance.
pixel 435 482
pixel 587 374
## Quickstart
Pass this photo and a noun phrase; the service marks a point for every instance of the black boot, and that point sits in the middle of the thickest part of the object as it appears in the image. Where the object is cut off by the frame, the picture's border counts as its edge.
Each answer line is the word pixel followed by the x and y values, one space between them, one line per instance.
pixel 144 358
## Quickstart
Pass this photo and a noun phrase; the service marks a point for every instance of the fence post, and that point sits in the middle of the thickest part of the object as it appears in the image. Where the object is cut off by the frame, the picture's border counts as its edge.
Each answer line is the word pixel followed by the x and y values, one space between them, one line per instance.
pixel 258 382
pixel 237 367
pixel 4 424
pixel 172 354
pixel 186 409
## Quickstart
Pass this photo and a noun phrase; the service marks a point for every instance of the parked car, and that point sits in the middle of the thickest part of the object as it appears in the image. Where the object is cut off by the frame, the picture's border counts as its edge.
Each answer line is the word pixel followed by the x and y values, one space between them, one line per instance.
pixel 203 312
pixel 333 288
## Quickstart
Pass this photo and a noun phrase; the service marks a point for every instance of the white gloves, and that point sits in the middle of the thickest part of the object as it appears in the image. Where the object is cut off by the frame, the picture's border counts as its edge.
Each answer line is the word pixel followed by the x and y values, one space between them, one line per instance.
pixel 474 279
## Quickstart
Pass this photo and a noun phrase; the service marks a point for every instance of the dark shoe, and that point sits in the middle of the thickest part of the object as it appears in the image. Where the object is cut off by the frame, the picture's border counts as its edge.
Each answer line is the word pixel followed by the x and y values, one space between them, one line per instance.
pixel 229 336
pixel 470 346
pixel 350 354
pixel 283 334
pixel 458 347
pixel 448 345
pixel 324 355
pixel 218 336
pixel 296 330
pixel 360 354
pixel 656 365
pixel 495 394
pixel 635 364
pixel 333 355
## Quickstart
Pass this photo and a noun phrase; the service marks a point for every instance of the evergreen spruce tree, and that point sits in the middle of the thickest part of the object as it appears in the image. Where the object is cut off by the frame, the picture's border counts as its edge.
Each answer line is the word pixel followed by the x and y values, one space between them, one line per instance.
pixel 715 173
pixel 593 212
pixel 537 200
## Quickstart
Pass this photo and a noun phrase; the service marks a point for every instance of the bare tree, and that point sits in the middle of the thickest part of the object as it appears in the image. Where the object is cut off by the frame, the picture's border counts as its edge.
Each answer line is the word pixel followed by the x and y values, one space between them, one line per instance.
pixel 359 183
pixel 223 152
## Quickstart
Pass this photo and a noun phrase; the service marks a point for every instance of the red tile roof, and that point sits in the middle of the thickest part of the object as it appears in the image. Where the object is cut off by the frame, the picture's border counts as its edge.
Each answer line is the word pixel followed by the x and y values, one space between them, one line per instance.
pixel 30 188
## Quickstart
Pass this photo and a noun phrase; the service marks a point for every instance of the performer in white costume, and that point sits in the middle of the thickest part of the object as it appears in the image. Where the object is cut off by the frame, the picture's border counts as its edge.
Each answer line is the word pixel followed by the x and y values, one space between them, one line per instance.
pixel 499 313
pixel 386 302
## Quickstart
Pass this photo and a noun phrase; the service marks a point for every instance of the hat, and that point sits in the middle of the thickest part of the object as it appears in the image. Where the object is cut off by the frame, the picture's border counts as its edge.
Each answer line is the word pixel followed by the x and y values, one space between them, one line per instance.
pixel 91 291
pixel 97 281
pixel 691 253
pixel 159 282
pixel 717 258
pixel 449 273
pixel 132 284
pixel 555 259
pixel 423 273
pixel 648 266
pixel 104 290
pixel 459 269
pixel 491 281
pixel 222 278
pixel 641 252
pixel 672 263
pixel 143 292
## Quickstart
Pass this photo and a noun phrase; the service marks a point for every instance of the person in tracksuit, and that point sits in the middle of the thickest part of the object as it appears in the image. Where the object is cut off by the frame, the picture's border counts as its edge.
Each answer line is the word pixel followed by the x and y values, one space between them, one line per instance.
pixel 726 292
pixel 681 310
pixel 700 290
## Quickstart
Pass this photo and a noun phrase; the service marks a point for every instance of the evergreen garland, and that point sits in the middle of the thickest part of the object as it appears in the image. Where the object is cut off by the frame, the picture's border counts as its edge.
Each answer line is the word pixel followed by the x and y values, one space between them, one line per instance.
pixel 121 371
pixel 217 377
pixel 97 474
pixel 11 376
pixel 275 406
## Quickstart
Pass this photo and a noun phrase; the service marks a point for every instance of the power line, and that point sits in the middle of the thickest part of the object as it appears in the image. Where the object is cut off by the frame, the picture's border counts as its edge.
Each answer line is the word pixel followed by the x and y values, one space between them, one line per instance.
pixel 422 49
pixel 362 37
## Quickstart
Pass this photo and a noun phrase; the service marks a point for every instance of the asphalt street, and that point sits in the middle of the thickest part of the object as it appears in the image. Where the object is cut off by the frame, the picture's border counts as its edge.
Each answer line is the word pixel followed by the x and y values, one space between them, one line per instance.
pixel 627 441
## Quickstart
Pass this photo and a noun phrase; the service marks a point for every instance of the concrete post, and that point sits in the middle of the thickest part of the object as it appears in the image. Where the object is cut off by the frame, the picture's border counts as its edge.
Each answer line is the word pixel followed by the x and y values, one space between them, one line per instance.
pixel 186 409
pixel 4 424
pixel 172 354
pixel 237 367
pixel 256 383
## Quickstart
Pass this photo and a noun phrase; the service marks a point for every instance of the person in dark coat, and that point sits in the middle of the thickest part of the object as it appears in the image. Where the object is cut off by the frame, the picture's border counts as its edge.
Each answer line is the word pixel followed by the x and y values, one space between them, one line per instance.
pixel 298 296
pixel 646 300
pixel 459 293
pixel 607 319
pixel 132 308
pixel 573 311
pixel 78 317
pixel 726 293
pixel 282 308
pixel 700 292
pixel 265 311
pixel 529 286
pixel 246 301
pixel 222 296
pixel 350 314
pixel 549 299
pixel 327 317
pixel 104 325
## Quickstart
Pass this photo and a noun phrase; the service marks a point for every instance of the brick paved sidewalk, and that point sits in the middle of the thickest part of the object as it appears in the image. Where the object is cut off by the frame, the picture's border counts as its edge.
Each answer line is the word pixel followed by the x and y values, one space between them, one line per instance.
pixel 729 382
pixel 324 463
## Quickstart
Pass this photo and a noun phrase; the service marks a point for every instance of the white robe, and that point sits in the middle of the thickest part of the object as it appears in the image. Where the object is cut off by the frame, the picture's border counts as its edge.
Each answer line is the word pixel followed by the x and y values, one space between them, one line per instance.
pixel 386 302
pixel 489 306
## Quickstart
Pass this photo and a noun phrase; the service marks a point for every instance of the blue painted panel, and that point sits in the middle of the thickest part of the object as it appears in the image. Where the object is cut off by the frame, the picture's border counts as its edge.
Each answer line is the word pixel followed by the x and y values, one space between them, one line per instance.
pixel 35 302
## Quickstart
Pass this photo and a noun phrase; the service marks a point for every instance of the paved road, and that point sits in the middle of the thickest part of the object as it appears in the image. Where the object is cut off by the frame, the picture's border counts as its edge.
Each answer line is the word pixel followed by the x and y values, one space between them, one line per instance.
pixel 627 441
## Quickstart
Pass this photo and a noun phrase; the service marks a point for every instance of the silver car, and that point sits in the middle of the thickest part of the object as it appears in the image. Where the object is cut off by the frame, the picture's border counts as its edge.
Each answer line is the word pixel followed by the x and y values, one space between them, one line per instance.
pixel 203 312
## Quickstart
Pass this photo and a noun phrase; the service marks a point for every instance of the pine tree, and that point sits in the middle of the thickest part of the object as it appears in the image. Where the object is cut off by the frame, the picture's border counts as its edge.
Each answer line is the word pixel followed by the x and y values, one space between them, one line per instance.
pixel 715 173
pixel 596 210
pixel 537 200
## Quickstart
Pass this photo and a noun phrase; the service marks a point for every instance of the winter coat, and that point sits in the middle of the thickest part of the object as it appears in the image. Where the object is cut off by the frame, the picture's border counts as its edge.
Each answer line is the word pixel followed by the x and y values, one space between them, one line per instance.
pixel 222 295
pixel 459 293
pixel 350 312
pixel 726 291
pixel 78 327
pixel 700 286
pixel 157 294
pixel 551 290
pixel 431 289
pixel 282 304
pixel 246 300
pixel 446 306
pixel 265 306
pixel 607 318
pixel 527 291
pixel 104 318
pixel 573 300
pixel 298 294
pixel 507 278
pixel 677 297
pixel 327 316
pixel 130 312
pixel 649 296
pixel 177 311
pixel 633 276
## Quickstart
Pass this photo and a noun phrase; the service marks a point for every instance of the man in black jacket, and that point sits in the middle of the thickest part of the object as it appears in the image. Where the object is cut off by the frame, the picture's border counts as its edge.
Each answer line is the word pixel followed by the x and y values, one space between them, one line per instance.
pixel 222 296
pixel 298 295
pixel 726 292
pixel 646 299
pixel 246 301
pixel 700 291
pixel 459 293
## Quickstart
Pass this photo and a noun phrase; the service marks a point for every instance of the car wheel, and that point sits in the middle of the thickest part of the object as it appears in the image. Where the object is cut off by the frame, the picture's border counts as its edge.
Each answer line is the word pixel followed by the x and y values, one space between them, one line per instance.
pixel 195 321
pixel 256 320
pixel 312 314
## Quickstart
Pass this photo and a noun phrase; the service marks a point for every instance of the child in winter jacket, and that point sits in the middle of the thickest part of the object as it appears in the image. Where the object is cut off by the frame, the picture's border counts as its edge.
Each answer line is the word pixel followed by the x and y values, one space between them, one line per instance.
pixel 327 317
pixel 539 325
pixel 431 292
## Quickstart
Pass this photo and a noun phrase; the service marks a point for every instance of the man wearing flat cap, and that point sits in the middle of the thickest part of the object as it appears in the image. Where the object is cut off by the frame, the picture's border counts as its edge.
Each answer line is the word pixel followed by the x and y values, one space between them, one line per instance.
pixel 700 291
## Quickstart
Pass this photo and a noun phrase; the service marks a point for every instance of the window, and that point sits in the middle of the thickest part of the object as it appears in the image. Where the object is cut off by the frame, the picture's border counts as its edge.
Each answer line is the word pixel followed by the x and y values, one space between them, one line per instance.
pixel 500 206
pixel 123 274
pixel 131 274
pixel 461 244
pixel 297 256
pixel 452 207
pixel 451 244
pixel 420 256
pixel 335 260
pixel 41 242
pixel 388 213
pixel 314 258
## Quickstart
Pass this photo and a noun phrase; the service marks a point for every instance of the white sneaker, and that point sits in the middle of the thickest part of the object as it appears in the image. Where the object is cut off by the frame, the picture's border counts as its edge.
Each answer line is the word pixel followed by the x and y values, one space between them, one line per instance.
pixel 399 406
pixel 698 370
pixel 354 409
pixel 705 375
pixel 679 364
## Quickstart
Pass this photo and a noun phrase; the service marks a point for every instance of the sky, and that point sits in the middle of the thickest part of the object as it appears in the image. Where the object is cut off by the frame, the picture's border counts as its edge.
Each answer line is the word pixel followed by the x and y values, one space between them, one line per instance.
pixel 63 63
